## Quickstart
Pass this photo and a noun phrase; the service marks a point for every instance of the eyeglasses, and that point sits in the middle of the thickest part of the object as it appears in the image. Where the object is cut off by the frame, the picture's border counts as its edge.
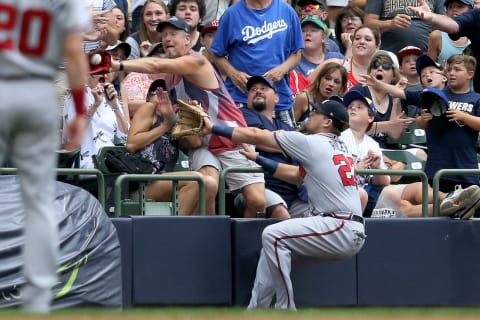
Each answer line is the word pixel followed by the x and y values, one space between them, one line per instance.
pixel 311 7
pixel 430 73
pixel 353 19
pixel 385 65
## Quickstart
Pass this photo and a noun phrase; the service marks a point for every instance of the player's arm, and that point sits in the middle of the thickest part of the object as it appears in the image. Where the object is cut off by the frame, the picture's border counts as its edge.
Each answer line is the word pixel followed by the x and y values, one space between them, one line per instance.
pixel 77 72
pixel 285 172
pixel 438 21
pixel 249 135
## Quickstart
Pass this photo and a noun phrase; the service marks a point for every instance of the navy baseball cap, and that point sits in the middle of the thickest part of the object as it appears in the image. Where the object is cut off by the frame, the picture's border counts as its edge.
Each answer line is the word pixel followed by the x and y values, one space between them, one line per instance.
pixel 256 79
pixel 334 110
pixel 424 61
pixel 466 2
pixel 434 100
pixel 176 22
pixel 357 95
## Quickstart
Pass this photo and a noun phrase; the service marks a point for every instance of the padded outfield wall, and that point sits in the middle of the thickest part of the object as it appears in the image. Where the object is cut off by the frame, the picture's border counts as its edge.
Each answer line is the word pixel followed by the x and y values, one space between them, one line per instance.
pixel 212 260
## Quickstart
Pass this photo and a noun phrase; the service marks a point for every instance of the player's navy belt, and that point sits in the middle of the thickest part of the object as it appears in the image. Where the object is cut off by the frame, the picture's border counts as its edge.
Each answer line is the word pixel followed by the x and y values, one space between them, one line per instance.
pixel 339 215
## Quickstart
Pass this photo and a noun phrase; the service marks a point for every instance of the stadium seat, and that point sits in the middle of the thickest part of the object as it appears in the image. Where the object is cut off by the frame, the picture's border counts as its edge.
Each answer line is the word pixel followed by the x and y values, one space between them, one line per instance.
pixel 412 162
pixel 413 136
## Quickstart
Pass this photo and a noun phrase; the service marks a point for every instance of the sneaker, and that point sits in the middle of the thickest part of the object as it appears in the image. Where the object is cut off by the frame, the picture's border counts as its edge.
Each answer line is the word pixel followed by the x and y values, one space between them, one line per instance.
pixel 461 203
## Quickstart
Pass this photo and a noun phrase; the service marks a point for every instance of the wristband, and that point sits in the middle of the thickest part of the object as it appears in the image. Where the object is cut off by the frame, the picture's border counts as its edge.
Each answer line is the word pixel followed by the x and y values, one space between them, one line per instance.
pixel 268 164
pixel 78 95
pixel 89 118
pixel 174 119
pixel 223 131
pixel 121 67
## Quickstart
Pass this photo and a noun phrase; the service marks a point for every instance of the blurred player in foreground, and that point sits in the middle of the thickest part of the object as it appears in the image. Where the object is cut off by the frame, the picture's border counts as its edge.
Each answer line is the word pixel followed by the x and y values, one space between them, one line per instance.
pixel 35 36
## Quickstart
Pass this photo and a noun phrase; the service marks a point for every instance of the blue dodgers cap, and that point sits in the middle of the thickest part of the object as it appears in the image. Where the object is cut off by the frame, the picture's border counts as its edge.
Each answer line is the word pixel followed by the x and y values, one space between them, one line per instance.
pixel 357 95
pixel 335 110
pixel 256 79
pixel 176 22
pixel 424 61
pixel 434 100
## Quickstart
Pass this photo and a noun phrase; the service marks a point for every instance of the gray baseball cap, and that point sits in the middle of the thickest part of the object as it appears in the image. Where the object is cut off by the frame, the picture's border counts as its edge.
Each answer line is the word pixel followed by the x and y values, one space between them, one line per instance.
pixel 175 22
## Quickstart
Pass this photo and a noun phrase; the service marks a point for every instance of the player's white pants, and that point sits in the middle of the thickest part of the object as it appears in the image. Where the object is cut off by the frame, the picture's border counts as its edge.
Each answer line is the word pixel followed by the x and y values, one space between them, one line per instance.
pixel 325 238
pixel 29 122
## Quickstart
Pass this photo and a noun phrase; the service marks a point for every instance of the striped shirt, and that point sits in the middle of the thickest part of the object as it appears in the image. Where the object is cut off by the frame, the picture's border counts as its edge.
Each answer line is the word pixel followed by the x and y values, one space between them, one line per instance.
pixel 97 5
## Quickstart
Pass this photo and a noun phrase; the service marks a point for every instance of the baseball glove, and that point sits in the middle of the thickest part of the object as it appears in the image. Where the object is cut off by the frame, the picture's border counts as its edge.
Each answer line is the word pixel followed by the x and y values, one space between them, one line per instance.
pixel 104 65
pixel 190 119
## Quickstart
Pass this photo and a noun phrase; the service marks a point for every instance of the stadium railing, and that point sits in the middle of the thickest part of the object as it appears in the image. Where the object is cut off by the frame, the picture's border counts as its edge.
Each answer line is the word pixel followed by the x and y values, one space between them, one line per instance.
pixel 436 183
pixel 74 172
pixel 222 185
pixel 142 178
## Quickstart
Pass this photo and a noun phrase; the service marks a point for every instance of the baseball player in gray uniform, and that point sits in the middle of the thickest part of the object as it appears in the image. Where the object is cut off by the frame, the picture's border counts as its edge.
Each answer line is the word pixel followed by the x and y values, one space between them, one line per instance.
pixel 35 36
pixel 333 228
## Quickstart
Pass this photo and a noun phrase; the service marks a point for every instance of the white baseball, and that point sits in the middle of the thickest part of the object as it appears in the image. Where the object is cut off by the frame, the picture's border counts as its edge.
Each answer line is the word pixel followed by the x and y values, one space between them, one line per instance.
pixel 95 59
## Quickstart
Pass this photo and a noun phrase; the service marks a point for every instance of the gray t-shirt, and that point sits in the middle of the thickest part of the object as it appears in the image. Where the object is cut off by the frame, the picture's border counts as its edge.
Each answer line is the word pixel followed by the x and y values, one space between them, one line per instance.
pixel 419 30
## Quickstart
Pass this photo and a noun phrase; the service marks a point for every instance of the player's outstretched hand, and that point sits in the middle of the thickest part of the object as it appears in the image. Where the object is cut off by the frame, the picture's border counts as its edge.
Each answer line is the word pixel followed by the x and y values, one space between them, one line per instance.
pixel 248 152
pixel 74 133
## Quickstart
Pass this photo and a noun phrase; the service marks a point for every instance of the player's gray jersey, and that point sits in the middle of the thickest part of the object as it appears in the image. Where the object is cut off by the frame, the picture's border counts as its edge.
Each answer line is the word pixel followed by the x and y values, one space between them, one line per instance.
pixel 328 169
pixel 32 34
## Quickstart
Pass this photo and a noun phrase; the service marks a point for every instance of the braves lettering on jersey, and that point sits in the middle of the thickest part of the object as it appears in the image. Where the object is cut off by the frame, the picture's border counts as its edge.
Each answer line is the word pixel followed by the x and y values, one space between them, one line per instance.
pixel 256 41
pixel 330 182
pixel 217 103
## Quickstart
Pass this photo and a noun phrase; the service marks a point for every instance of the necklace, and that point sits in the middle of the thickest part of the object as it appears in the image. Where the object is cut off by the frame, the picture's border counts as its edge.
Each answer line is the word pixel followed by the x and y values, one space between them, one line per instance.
pixel 380 104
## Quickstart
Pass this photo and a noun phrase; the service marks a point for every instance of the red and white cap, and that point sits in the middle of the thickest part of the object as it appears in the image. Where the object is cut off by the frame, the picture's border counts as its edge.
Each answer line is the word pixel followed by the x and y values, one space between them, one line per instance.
pixel 409 50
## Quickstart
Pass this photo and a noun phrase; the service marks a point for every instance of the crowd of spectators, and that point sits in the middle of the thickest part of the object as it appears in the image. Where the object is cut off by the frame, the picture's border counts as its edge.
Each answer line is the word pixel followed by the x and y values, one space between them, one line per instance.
pixel 300 53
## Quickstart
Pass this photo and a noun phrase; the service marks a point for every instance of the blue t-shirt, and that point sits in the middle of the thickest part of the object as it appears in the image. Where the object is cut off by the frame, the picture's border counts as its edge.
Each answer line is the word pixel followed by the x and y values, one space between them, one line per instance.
pixel 289 192
pixel 453 145
pixel 256 41
pixel 469 24
pixel 306 67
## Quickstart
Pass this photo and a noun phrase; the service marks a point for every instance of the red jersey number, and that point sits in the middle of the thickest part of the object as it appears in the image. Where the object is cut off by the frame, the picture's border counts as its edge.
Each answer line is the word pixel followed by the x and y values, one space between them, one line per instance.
pixel 345 169
pixel 34 22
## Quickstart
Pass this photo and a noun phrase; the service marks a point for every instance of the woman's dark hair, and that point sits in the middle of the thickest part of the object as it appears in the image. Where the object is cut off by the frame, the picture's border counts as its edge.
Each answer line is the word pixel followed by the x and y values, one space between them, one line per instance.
pixel 348 12
pixel 126 32
pixel 375 31
pixel 327 69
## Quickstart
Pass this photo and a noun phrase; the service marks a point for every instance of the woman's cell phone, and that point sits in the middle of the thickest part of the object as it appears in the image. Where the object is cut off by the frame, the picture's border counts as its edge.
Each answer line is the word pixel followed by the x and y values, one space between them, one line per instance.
pixel 106 93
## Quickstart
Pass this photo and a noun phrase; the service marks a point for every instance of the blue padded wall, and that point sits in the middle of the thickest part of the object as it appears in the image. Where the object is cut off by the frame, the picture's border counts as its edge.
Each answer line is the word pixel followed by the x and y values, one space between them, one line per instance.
pixel 124 231
pixel 314 283
pixel 465 262
pixel 182 260
pixel 406 262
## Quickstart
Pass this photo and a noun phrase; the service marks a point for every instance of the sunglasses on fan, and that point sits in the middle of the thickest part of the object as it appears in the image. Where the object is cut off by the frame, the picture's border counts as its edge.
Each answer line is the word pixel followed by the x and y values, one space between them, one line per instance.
pixel 385 65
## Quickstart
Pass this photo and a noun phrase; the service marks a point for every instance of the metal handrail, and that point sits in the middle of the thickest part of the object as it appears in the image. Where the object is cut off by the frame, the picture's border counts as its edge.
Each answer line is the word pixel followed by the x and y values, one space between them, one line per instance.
pixel 419 173
pixel 222 185
pixel 153 177
pixel 74 171
pixel 436 183
pixel 404 172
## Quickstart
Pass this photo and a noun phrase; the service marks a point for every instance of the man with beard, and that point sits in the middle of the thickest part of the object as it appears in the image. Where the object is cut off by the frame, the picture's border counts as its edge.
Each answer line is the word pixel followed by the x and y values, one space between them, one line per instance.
pixel 262 98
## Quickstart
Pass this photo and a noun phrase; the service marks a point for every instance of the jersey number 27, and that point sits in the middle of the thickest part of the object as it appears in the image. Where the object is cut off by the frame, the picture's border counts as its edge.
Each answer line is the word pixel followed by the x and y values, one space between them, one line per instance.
pixel 34 22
